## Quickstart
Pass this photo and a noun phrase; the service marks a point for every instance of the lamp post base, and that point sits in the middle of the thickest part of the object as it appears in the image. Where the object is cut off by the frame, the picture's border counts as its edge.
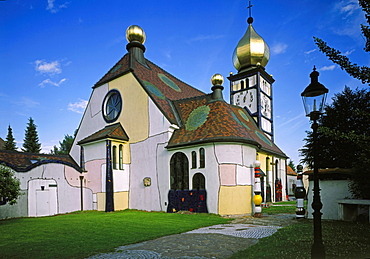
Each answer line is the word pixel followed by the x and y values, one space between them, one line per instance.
pixel 317 250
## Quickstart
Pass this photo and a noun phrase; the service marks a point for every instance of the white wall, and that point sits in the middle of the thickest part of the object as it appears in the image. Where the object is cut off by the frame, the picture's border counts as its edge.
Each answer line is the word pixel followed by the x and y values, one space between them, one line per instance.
pixel 331 191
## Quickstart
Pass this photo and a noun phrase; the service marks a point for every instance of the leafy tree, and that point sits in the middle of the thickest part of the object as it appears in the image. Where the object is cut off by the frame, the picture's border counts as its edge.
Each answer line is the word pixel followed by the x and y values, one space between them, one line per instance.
pixel 65 146
pixel 31 141
pixel 359 72
pixel 10 141
pixel 344 138
pixel 292 165
pixel 9 185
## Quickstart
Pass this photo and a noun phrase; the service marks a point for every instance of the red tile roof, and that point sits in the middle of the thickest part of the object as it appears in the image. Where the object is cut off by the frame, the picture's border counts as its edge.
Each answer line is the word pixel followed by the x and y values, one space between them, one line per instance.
pixel 114 131
pixel 23 162
pixel 200 118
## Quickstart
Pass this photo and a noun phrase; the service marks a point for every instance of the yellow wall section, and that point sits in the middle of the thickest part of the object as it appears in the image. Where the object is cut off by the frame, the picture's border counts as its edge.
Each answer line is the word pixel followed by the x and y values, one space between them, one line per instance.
pixel 235 200
pixel 120 201
pixel 262 159
pixel 134 116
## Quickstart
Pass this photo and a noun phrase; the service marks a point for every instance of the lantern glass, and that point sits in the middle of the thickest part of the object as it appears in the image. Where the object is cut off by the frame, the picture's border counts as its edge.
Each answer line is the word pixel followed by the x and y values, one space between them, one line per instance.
pixel 314 103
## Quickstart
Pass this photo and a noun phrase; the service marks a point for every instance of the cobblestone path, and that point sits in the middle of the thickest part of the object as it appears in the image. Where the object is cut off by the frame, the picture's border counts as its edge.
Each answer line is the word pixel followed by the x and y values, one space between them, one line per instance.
pixel 218 241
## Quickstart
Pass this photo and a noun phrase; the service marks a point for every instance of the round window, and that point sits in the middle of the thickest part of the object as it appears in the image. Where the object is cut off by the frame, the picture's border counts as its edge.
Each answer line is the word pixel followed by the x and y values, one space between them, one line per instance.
pixel 112 106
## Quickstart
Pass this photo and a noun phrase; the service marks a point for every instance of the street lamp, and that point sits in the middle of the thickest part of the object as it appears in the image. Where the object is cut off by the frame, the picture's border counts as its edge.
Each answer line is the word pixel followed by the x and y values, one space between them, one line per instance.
pixel 313 99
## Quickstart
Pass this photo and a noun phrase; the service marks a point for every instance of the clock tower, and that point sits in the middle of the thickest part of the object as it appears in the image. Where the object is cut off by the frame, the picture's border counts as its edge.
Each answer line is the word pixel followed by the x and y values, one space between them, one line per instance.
pixel 251 87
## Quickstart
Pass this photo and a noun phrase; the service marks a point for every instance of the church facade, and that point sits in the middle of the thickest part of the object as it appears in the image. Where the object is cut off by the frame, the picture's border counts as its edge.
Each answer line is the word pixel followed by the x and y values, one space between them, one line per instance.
pixel 149 141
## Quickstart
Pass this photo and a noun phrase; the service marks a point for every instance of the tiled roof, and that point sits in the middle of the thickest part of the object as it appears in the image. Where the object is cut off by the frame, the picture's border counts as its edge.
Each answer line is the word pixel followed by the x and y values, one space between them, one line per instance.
pixel 23 162
pixel 114 131
pixel 161 86
pixel 200 118
pixel 205 120
pixel 2 143
pixel 290 171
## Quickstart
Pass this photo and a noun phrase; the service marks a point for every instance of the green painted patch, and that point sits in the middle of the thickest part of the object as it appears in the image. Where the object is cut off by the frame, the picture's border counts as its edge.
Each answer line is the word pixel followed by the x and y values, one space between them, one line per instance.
pixel 263 137
pixel 244 116
pixel 240 122
pixel 115 69
pixel 169 82
pixel 197 117
pixel 154 90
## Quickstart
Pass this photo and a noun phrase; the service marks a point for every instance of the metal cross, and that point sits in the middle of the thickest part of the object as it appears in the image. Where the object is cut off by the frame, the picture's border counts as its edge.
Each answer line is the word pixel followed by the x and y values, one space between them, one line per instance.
pixel 250 8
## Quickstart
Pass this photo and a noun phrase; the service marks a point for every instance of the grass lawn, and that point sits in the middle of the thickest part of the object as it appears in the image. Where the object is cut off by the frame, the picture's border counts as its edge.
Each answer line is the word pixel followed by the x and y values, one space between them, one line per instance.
pixel 78 235
pixel 281 207
pixel 341 240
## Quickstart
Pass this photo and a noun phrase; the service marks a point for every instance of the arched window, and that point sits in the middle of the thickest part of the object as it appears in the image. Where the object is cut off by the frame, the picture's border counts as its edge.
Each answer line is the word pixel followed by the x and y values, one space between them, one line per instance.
pixel 114 155
pixel 242 85
pixel 193 159
pixel 267 168
pixel 179 172
pixel 202 159
pixel 120 150
pixel 199 182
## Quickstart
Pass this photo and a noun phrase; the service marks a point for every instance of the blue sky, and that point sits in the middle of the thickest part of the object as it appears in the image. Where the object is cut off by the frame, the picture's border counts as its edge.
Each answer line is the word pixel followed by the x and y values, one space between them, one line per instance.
pixel 53 51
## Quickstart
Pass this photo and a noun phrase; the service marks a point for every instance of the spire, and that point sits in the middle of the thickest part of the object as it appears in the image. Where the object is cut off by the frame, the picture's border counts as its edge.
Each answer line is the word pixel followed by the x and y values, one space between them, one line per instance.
pixel 251 50
pixel 136 37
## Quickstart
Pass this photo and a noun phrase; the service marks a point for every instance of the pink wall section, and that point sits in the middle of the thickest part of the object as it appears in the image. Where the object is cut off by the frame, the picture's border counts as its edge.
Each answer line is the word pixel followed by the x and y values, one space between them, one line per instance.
pixel 92 179
pixel 228 174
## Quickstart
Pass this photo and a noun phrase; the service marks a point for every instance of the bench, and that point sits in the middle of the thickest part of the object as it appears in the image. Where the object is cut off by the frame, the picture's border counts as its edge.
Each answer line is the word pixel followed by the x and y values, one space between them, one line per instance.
pixel 353 210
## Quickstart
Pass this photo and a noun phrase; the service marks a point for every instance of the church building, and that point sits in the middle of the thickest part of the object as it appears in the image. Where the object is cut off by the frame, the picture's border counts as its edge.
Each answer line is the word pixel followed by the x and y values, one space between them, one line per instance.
pixel 149 141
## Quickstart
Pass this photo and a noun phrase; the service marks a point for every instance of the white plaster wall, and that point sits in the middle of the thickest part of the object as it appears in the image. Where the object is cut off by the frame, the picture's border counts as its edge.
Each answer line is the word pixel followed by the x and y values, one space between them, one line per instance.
pixel 95 151
pixel 249 155
pixel 157 121
pixel 64 197
pixel 244 175
pixel 229 153
pixel 92 120
pixel 144 164
pixel 331 191
pixel 121 178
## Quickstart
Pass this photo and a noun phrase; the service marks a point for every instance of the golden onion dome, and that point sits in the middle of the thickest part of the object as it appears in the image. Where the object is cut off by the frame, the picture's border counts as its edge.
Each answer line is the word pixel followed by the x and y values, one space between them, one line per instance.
pixel 251 50
pixel 135 33
pixel 217 79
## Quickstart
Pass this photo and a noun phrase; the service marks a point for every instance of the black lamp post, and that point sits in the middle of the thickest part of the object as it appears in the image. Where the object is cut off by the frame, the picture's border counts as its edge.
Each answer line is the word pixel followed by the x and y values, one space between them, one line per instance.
pixel 314 99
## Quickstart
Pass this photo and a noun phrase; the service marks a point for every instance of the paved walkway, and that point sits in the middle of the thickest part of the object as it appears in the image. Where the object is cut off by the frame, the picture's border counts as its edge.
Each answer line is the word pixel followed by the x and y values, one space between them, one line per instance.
pixel 219 241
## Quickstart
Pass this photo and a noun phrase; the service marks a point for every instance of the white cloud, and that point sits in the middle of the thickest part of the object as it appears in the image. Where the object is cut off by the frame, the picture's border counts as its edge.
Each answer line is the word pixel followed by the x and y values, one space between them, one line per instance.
pixel 55 8
pixel 48 81
pixel 48 68
pixel 347 7
pixel 279 48
pixel 327 68
pixel 349 52
pixel 310 51
pixel 78 107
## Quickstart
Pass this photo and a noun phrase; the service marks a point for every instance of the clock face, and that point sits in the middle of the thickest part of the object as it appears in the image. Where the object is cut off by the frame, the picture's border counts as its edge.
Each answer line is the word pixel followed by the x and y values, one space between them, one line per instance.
pixel 112 106
pixel 265 106
pixel 265 86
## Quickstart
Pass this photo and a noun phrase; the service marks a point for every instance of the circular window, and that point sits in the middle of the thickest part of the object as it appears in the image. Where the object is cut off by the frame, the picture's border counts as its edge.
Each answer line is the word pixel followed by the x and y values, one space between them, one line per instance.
pixel 112 106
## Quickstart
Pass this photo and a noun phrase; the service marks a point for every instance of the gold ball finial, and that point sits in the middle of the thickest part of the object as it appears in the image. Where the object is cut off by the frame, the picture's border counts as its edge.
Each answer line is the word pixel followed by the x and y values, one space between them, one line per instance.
pixel 135 33
pixel 217 79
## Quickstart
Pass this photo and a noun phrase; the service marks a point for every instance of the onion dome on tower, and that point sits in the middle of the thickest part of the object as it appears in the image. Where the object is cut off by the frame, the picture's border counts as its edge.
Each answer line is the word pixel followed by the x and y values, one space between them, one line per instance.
pixel 251 50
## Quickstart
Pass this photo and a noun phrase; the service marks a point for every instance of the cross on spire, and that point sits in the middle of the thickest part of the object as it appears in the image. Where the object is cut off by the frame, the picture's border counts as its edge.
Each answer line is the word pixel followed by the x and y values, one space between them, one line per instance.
pixel 250 8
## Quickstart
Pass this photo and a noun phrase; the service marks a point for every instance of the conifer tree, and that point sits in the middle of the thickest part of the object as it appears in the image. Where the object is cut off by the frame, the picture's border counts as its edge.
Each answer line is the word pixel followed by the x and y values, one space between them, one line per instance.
pixel 10 141
pixel 31 140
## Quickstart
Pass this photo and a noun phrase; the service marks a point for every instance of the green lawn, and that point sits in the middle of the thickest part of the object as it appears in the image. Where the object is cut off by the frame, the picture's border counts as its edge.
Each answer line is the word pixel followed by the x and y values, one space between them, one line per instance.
pixel 281 207
pixel 78 235
pixel 341 240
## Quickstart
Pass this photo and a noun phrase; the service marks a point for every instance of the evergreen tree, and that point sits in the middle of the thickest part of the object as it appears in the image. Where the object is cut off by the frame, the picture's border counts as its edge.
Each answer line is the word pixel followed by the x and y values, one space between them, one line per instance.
pixel 292 165
pixel 65 146
pixel 31 141
pixel 10 141
pixel 359 72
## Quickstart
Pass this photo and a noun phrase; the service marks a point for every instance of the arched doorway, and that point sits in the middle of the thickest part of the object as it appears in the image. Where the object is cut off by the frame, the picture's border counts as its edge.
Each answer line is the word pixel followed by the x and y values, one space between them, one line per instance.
pixel 180 198
pixel 179 170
